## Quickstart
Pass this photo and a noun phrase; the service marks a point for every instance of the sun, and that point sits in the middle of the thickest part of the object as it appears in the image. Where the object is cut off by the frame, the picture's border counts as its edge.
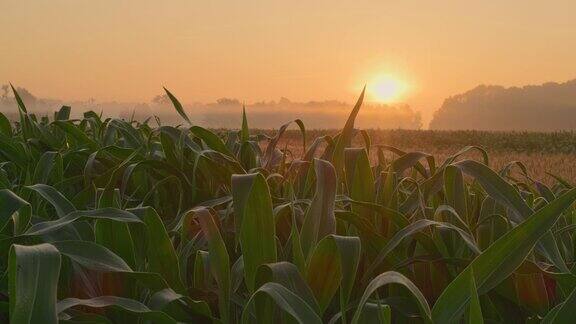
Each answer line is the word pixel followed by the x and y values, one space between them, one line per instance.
pixel 386 89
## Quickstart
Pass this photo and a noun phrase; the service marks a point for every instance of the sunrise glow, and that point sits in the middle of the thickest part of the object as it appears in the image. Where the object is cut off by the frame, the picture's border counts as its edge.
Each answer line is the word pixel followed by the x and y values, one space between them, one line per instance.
pixel 386 89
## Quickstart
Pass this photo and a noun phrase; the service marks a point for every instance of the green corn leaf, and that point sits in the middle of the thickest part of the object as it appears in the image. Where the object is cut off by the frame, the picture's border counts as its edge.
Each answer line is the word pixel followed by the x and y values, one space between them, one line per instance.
pixel 376 314
pixel 126 304
pixel 116 236
pixel 320 220
pixel 76 135
pixel 286 300
pixel 345 138
pixel 19 101
pixel 48 162
pixel 14 209
pixel 219 259
pixel 245 131
pixel 248 156
pixel 475 311
pixel 212 140
pixel 392 277
pixel 563 312
pixel 411 229
pixel 274 141
pixel 33 283
pixel 5 126
pixel 507 195
pixel 62 205
pixel 161 255
pixel 333 266
pixel 201 270
pixel 255 223
pixel 500 259
pixel 180 307
pixel 103 213
pixel 360 180
pixel 11 151
pixel 455 190
pixel 92 255
pixel 412 159
pixel 63 113
pixel 297 254
pixel 178 106
pixel 288 275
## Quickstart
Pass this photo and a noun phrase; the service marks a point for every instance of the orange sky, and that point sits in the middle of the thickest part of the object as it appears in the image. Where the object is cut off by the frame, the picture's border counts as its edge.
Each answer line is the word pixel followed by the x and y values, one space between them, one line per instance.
pixel 262 50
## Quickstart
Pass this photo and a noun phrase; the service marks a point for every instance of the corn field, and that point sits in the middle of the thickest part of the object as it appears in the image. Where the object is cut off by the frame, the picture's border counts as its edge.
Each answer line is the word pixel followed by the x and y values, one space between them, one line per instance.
pixel 545 156
pixel 114 221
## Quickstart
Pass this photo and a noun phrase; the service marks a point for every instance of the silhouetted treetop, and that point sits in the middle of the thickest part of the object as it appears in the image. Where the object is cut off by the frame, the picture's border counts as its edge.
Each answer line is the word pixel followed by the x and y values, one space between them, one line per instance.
pixel 550 106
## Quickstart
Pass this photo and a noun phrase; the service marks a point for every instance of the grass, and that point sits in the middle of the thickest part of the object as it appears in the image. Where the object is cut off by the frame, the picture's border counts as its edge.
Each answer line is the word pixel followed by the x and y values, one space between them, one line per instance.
pixel 109 221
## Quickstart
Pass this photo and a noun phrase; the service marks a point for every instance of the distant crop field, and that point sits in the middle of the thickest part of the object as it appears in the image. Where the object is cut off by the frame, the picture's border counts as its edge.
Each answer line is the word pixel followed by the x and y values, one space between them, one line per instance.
pixel 543 153
pixel 105 220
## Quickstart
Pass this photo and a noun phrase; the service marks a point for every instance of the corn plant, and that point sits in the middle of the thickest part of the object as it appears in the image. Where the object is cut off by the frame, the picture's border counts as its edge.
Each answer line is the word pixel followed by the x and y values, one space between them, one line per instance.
pixel 113 221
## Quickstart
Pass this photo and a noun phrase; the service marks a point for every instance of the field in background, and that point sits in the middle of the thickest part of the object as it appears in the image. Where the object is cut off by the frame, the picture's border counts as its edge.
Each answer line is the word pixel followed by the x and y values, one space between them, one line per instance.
pixel 541 152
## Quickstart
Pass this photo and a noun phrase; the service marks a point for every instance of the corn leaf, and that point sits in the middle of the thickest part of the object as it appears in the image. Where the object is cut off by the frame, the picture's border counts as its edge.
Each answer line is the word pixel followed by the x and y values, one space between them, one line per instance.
pixel 255 219
pixel 500 259
pixel 33 277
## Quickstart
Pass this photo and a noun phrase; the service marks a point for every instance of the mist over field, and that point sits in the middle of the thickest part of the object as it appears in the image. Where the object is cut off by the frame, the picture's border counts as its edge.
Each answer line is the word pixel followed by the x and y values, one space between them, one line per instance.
pixel 547 107
pixel 227 113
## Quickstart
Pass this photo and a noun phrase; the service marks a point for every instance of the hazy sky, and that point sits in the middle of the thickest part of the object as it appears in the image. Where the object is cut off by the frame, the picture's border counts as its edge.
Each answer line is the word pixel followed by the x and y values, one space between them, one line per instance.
pixel 262 50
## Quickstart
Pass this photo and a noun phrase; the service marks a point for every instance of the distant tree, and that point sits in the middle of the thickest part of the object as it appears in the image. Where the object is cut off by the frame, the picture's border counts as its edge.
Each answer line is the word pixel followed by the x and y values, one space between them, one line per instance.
pixel 161 99
pixel 550 106
pixel 26 96
pixel 5 88
pixel 228 102
pixel 284 101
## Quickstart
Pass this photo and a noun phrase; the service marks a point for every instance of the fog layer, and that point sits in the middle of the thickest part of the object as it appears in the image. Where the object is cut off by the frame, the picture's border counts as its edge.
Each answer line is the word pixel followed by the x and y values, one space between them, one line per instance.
pixel 227 113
